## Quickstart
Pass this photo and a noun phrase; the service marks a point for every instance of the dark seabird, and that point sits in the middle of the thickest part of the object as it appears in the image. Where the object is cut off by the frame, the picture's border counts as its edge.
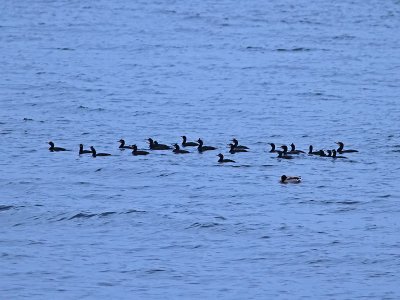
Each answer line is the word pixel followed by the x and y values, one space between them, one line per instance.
pixel 137 152
pixel 224 160
pixel 178 150
pixel 81 151
pixel 290 179
pixel 202 148
pixel 188 144
pixel 55 149
pixel 95 154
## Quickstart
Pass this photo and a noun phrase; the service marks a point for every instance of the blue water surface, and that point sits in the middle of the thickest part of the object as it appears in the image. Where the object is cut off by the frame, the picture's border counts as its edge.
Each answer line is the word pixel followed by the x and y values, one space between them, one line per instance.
pixel 171 226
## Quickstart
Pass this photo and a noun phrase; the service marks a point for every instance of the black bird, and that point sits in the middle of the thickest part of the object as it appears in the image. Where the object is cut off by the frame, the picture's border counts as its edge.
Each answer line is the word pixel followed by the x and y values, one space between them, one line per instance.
pixel 154 145
pixel 272 148
pixel 285 150
pixel 222 160
pixel 137 152
pixel 188 144
pixel 178 150
pixel 290 179
pixel 281 154
pixel 95 154
pixel 234 150
pixel 293 149
pixel 202 148
pixel 122 146
pixel 335 156
pixel 55 149
pixel 237 146
pixel 311 152
pixel 340 149
pixel 81 151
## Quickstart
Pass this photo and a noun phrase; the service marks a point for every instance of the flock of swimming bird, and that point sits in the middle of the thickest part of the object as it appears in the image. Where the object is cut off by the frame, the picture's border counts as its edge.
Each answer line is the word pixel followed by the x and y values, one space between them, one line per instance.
pixel 234 147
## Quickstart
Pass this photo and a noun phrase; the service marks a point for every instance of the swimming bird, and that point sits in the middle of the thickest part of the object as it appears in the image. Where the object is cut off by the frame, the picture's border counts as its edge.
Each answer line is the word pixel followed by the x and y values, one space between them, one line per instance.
pixel 293 149
pixel 285 150
pixel 272 148
pixel 234 150
pixel 154 145
pixel 281 154
pixel 311 152
pixel 95 154
pixel 236 144
pixel 340 149
pixel 202 148
pixel 137 152
pixel 81 151
pixel 122 146
pixel 178 150
pixel 224 160
pixel 55 149
pixel 290 179
pixel 335 156
pixel 188 144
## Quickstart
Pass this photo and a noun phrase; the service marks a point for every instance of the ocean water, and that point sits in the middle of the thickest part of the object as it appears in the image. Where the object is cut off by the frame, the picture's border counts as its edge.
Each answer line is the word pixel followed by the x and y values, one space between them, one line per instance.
pixel 171 226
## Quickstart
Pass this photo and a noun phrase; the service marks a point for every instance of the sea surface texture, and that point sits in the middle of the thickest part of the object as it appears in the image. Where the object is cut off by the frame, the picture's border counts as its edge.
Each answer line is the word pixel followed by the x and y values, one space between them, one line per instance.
pixel 167 226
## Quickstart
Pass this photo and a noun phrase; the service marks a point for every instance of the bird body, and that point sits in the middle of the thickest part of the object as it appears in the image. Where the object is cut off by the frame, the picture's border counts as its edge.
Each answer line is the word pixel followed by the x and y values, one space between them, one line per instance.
pixel 188 144
pixel 81 151
pixel 293 149
pixel 237 146
pixel 281 154
pixel 154 145
pixel 137 152
pixel 178 150
pixel 340 149
pixel 285 150
pixel 234 150
pixel 272 148
pixel 290 179
pixel 55 149
pixel 95 154
pixel 311 152
pixel 122 145
pixel 335 156
pixel 202 148
pixel 224 160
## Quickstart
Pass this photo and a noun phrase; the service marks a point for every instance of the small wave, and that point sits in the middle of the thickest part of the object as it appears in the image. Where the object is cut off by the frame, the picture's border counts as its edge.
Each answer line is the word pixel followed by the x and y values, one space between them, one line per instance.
pixel 130 211
pixel 298 49
pixel 255 48
pixel 152 271
pixel 385 196
pixel 65 49
pixel 107 213
pixel 348 202
pixel 6 207
pixel 82 215
pixel 203 225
